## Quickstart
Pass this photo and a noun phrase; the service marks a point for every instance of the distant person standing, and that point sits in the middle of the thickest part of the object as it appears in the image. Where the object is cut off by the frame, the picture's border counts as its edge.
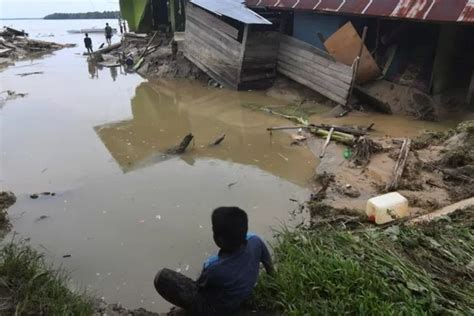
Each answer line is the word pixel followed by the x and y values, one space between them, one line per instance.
pixel 108 34
pixel 88 44
pixel 121 26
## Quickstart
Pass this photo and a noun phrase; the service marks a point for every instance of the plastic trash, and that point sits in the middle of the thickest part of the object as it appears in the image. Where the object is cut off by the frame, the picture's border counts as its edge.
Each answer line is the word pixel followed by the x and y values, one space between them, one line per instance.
pixel 386 208
pixel 347 153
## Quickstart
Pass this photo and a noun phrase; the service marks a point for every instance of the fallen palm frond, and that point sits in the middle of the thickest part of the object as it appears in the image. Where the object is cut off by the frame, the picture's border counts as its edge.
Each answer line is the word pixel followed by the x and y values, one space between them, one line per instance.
pixel 397 271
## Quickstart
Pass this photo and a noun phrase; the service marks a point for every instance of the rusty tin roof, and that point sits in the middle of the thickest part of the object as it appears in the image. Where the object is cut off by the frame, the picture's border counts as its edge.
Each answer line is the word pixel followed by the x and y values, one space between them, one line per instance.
pixel 234 9
pixel 426 10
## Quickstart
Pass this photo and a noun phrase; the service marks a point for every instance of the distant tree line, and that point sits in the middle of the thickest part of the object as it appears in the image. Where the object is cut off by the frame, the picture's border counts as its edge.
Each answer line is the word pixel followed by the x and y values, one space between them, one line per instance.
pixel 86 15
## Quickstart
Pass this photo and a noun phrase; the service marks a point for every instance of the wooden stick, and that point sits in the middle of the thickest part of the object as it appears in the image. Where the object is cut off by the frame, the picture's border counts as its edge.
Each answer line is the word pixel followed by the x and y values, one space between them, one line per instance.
pixel 279 128
pixel 399 166
pixel 148 45
pixel 328 139
pixel 355 65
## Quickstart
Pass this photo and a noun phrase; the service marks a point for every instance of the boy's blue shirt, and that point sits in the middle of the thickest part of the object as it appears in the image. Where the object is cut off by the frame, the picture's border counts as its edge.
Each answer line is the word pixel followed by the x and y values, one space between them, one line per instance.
pixel 227 281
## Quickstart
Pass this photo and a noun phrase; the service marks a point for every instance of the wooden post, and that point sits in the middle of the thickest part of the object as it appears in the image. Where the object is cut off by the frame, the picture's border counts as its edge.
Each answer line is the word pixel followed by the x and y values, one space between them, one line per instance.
pixel 399 166
pixel 355 65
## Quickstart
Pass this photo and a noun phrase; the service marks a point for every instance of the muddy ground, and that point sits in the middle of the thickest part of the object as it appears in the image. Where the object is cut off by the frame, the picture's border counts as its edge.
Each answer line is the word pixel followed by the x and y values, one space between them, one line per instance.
pixel 439 172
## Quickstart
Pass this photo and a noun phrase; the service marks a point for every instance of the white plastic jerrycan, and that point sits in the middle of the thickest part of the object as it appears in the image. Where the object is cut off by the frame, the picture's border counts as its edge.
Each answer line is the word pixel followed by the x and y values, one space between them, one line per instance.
pixel 386 208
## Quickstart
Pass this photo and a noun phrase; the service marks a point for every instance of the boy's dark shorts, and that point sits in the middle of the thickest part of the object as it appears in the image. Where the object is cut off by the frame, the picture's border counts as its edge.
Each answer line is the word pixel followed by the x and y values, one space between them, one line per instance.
pixel 183 292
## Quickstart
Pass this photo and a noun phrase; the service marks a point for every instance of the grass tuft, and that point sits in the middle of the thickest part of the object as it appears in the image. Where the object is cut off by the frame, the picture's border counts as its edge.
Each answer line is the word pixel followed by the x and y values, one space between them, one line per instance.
pixel 423 270
pixel 29 287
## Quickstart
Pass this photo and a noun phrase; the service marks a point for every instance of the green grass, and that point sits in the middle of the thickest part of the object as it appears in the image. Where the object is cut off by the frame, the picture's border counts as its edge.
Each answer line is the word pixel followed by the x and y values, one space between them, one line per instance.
pixel 402 271
pixel 29 287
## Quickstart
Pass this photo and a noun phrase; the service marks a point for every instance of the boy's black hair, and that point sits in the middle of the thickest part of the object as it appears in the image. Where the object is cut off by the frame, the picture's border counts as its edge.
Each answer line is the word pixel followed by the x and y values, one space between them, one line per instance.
pixel 87 35
pixel 230 226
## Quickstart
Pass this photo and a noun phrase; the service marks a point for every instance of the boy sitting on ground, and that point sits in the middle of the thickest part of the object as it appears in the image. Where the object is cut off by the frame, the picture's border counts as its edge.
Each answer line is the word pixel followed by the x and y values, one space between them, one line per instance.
pixel 227 279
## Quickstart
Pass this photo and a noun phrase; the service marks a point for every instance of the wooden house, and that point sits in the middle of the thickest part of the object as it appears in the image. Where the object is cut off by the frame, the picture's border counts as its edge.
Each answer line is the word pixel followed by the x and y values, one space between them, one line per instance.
pixel 231 43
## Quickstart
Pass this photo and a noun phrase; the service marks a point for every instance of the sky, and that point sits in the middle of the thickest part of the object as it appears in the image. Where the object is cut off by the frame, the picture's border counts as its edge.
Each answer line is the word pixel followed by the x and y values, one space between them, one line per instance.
pixel 40 8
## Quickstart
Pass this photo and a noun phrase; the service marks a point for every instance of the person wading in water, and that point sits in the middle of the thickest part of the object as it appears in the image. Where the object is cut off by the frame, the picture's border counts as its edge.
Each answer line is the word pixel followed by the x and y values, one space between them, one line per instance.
pixel 108 34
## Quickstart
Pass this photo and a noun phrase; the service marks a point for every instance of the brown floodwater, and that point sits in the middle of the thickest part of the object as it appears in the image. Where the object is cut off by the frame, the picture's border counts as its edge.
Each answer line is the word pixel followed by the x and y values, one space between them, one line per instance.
pixel 123 209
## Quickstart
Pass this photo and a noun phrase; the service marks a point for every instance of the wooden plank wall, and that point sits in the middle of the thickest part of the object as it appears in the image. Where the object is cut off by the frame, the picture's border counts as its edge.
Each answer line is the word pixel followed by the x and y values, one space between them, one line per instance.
pixel 314 69
pixel 260 58
pixel 212 48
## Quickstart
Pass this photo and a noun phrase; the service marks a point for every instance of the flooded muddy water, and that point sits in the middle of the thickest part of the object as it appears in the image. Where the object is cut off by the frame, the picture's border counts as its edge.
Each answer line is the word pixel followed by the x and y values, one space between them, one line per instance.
pixel 122 208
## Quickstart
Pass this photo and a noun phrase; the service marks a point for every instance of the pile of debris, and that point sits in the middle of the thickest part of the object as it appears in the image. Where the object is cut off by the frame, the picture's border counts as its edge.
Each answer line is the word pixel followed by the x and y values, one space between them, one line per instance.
pixel 8 95
pixel 432 171
pixel 15 45
pixel 155 55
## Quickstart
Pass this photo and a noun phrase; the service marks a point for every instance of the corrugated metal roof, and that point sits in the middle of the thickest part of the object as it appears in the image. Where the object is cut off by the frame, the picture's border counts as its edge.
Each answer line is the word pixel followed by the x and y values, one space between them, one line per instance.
pixel 234 9
pixel 427 10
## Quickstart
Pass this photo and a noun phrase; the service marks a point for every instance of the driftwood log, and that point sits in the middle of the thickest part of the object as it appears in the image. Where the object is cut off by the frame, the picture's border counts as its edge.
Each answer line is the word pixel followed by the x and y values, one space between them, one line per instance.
pixel 217 141
pixel 106 49
pixel 399 166
pixel 181 148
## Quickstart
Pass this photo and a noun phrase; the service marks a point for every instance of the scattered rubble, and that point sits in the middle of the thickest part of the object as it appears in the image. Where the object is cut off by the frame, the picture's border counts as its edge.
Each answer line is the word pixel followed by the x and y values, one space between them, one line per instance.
pixel 151 56
pixel 436 171
pixel 15 45
pixel 9 95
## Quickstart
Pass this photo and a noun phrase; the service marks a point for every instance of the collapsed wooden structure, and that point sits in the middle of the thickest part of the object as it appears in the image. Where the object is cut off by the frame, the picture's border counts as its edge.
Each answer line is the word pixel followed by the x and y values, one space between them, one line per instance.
pixel 234 45
pixel 243 49
pixel 314 68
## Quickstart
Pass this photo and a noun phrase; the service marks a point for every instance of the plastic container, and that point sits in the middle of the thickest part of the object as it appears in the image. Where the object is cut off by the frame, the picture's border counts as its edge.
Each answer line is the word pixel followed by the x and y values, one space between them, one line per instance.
pixel 386 208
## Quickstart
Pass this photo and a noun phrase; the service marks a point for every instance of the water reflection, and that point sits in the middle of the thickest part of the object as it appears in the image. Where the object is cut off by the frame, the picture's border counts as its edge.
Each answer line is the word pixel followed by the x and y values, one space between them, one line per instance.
pixel 93 70
pixel 164 112
pixel 113 73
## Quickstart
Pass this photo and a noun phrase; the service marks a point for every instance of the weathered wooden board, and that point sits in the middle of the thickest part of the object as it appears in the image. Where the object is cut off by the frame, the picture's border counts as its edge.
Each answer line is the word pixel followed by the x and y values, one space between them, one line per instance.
pixel 313 68
pixel 211 49
pixel 260 55
pixel 212 21
pixel 5 51
pixel 344 45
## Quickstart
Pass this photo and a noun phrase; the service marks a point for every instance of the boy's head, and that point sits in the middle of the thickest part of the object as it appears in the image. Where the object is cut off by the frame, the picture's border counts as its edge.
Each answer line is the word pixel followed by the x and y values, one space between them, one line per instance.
pixel 106 24
pixel 87 35
pixel 229 226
